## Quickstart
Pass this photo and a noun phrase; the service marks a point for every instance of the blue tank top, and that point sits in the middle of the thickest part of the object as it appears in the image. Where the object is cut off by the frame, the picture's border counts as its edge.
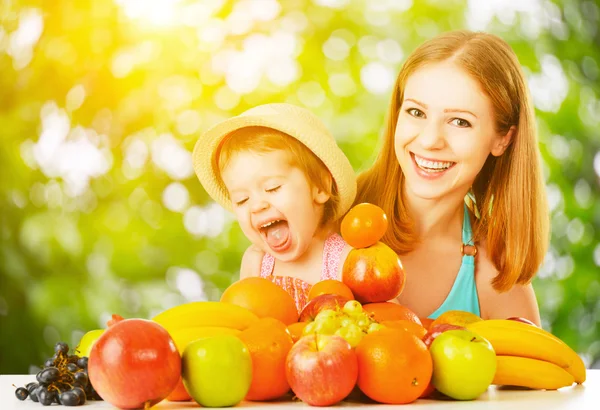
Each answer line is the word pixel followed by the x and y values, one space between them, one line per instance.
pixel 463 295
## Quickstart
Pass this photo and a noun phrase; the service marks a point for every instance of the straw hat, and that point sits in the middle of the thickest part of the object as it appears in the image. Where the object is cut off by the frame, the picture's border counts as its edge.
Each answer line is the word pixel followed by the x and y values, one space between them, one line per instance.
pixel 290 119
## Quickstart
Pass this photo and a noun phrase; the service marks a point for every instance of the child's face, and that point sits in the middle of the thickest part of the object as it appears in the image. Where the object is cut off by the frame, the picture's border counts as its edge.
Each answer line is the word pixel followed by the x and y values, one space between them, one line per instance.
pixel 276 206
pixel 445 131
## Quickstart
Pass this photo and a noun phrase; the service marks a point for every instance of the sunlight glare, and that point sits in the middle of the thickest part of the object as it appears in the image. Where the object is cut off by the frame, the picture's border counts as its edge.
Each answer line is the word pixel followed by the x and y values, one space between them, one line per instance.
pixel 161 13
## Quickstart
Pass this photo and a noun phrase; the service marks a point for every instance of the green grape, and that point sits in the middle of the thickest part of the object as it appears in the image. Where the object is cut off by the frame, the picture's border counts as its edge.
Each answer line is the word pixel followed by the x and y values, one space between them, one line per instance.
pixel 346 321
pixel 352 307
pixel 352 334
pixel 309 329
pixel 327 326
pixel 363 321
pixel 326 314
pixel 374 327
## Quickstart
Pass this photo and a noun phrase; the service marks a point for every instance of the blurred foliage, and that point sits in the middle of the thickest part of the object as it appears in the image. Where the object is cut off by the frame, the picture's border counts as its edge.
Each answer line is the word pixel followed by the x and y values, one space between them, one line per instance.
pixel 101 102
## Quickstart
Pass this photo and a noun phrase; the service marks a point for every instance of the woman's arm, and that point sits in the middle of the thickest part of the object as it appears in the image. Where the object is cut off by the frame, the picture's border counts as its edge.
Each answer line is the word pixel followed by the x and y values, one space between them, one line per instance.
pixel 520 301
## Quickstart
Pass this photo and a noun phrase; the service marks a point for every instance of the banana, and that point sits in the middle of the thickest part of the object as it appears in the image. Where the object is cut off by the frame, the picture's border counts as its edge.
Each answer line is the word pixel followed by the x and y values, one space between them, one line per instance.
pixel 531 373
pixel 522 341
pixel 513 338
pixel 185 336
pixel 214 314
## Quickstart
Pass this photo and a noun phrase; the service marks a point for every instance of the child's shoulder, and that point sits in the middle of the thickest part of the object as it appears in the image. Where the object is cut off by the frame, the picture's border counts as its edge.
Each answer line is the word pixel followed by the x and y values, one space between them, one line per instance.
pixel 251 262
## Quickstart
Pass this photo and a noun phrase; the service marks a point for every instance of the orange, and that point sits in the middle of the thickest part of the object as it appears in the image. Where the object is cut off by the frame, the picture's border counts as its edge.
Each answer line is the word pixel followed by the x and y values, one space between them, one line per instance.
pixel 426 322
pixel 330 287
pixel 456 317
pixel 411 327
pixel 394 366
pixel 364 225
pixel 268 342
pixel 390 311
pixel 263 298
pixel 179 393
pixel 296 329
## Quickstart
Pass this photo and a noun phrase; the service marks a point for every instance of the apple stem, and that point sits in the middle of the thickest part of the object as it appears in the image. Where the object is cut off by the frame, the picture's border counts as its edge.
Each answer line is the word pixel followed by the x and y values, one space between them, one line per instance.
pixel 474 338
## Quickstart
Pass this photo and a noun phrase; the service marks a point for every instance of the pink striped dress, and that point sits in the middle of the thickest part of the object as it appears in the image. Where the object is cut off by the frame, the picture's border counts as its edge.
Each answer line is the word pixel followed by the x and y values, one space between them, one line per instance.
pixel 298 288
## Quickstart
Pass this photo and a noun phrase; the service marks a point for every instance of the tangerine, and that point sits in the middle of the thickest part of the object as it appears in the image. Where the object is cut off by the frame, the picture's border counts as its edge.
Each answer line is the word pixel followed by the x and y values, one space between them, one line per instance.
pixel 263 298
pixel 296 329
pixel 330 287
pixel 394 366
pixel 364 225
pixel 268 342
pixel 390 311
pixel 411 327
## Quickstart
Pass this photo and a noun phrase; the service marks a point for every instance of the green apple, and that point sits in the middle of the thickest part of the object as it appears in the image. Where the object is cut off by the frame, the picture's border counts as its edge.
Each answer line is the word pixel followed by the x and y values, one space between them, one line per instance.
pixel 464 364
pixel 217 371
pixel 84 347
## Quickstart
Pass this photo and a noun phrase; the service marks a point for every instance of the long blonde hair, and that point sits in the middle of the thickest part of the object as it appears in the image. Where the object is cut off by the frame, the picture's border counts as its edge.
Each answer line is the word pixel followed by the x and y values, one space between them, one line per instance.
pixel 263 139
pixel 516 225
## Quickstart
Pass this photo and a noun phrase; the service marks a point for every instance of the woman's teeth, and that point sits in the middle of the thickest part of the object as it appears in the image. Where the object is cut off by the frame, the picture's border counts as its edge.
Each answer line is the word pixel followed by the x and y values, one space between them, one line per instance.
pixel 434 166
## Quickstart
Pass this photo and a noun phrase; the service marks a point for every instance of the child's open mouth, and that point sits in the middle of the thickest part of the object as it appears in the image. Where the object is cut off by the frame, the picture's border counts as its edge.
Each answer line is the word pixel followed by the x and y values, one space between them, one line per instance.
pixel 277 234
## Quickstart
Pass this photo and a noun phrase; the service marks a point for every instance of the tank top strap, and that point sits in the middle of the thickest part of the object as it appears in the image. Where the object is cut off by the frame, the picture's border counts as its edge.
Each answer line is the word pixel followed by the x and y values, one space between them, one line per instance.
pixel 266 265
pixel 468 247
pixel 332 252
pixel 463 295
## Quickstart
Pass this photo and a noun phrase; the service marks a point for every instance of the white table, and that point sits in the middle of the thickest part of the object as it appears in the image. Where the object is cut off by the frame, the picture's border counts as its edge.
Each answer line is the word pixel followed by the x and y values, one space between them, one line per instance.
pixel 583 397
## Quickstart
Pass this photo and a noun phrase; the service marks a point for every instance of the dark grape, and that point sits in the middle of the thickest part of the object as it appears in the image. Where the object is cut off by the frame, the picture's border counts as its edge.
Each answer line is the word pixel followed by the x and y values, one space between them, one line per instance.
pixel 48 375
pixel 44 396
pixel 49 363
pixel 21 393
pixel 33 394
pixel 69 398
pixel 73 358
pixel 72 367
pixel 61 347
pixel 53 396
pixel 83 396
pixel 81 378
pixel 31 386
pixel 82 362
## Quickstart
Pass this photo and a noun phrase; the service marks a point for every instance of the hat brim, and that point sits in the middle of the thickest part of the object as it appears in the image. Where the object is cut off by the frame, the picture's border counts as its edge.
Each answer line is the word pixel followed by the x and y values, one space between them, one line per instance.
pixel 324 148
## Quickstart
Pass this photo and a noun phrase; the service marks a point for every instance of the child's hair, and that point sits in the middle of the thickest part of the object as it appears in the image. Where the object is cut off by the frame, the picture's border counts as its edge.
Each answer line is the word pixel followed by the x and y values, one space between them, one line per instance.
pixel 263 139
pixel 508 191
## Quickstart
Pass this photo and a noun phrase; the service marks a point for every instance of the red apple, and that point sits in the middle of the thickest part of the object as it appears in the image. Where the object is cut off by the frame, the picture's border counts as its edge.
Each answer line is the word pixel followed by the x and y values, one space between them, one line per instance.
pixel 437 330
pixel 321 302
pixel 321 369
pixel 374 274
pixel 134 364
pixel 522 319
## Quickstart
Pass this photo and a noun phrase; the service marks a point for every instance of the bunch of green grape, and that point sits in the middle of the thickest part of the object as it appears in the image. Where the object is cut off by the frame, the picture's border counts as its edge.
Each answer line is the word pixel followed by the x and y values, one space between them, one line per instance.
pixel 350 322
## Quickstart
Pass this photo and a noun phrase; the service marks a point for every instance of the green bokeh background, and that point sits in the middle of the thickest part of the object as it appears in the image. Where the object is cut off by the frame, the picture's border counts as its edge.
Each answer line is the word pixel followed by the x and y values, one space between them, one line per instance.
pixel 101 102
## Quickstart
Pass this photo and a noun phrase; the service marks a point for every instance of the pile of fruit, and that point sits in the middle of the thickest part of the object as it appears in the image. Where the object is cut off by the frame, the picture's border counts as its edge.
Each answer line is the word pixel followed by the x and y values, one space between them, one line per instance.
pixel 62 380
pixel 254 345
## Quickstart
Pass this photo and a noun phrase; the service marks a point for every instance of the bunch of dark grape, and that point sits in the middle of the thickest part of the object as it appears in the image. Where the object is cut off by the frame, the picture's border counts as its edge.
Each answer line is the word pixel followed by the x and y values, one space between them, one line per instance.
pixel 62 380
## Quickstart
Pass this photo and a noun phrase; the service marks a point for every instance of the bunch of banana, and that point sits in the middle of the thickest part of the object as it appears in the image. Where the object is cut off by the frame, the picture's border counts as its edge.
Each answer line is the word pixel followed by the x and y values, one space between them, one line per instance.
pixel 529 356
pixel 196 320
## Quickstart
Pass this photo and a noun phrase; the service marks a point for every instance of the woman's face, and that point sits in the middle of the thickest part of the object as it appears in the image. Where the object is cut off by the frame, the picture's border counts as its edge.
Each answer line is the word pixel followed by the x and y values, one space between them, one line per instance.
pixel 445 131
